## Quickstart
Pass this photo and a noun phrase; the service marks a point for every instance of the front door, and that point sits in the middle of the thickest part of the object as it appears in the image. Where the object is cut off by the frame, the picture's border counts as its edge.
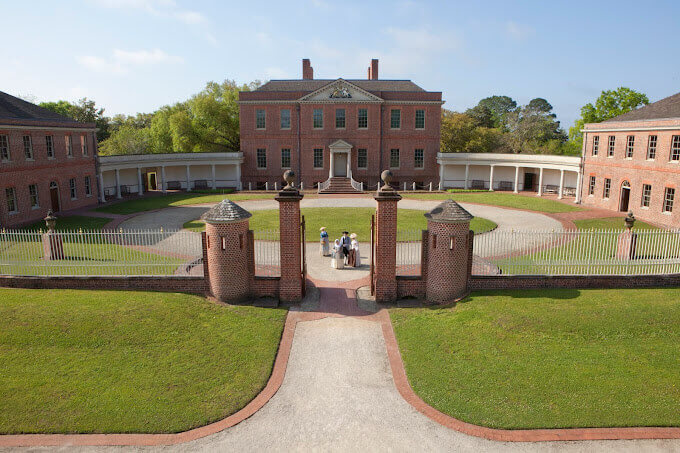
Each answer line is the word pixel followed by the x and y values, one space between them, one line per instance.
pixel 54 196
pixel 528 181
pixel 340 165
pixel 625 198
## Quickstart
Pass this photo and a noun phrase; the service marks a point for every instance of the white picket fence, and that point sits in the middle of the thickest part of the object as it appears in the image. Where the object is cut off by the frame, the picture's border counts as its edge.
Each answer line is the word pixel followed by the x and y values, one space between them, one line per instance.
pixel 591 252
pixel 103 253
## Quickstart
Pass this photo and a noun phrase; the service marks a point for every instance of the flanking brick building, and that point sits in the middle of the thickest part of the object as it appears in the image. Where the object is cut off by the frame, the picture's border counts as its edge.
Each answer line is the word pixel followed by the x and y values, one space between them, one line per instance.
pixel 339 131
pixel 47 161
pixel 632 162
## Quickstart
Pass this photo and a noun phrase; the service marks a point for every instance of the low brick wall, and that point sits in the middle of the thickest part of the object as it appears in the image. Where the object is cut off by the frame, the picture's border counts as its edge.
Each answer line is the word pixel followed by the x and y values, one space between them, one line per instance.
pixel 479 282
pixel 408 286
pixel 265 287
pixel 194 285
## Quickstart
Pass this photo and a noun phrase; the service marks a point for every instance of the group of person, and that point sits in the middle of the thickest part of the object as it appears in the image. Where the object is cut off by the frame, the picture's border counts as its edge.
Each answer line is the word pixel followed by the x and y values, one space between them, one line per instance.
pixel 345 250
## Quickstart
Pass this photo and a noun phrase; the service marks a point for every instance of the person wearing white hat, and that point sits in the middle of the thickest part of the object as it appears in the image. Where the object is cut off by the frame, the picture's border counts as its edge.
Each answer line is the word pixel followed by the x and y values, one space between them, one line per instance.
pixel 354 257
pixel 338 260
pixel 324 249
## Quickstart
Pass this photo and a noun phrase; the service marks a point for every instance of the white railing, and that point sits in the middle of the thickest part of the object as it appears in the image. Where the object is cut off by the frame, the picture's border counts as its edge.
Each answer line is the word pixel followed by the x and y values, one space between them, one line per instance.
pixel 324 185
pixel 356 185
pixel 267 253
pixel 593 252
pixel 409 252
pixel 101 253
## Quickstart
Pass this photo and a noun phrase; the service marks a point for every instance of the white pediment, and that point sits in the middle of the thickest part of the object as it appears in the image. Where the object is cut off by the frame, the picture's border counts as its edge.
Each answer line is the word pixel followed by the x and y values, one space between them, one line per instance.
pixel 340 145
pixel 340 91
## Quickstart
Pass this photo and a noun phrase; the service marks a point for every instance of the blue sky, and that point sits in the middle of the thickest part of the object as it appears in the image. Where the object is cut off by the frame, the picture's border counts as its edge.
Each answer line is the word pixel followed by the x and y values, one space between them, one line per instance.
pixel 137 55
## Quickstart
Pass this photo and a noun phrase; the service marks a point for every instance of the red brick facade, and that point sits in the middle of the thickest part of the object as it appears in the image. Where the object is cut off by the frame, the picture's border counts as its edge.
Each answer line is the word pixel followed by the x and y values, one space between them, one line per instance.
pixel 39 171
pixel 633 167
pixel 227 250
pixel 447 266
pixel 386 246
pixel 300 98
pixel 291 283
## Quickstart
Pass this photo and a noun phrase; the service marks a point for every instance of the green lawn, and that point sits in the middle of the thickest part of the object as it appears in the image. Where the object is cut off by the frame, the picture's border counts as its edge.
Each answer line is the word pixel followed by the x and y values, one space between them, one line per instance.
pixel 178 199
pixel 72 223
pixel 115 361
pixel 610 223
pixel 510 200
pixel 336 220
pixel 548 358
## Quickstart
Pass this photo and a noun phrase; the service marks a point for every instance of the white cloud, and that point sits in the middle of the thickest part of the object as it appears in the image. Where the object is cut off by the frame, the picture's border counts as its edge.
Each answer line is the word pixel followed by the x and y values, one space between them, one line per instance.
pixel 121 61
pixel 190 17
pixel 517 31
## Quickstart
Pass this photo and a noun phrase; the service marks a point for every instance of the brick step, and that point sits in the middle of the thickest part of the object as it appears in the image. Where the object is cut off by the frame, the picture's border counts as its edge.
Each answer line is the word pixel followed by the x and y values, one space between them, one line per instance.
pixel 340 185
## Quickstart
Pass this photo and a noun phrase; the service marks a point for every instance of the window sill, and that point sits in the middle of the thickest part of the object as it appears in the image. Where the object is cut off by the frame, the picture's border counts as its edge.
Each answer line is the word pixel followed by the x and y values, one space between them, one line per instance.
pixel 340 128
pixel 628 158
pixel 362 128
pixel 419 128
pixel 362 168
pixel 285 128
pixel 33 208
pixel 395 128
pixel 50 158
pixel 419 168
pixel 667 212
pixel 675 162
pixel 13 212
pixel 260 128
pixel 30 160
pixel 650 159
pixel 646 208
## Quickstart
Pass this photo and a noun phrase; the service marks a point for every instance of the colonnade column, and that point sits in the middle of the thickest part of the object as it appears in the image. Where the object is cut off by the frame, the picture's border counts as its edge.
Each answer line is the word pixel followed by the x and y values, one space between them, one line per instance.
pixel 467 175
pixel 540 182
pixel 490 178
pixel 140 186
pixel 102 195
pixel 578 187
pixel 188 179
pixel 118 184
pixel 163 185
pixel 516 188
pixel 349 165
pixel 214 183
pixel 239 184
pixel 561 184
pixel 330 170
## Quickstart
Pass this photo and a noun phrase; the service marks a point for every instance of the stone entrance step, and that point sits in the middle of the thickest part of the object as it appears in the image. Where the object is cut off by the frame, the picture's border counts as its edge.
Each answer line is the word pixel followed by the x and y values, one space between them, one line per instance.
pixel 340 185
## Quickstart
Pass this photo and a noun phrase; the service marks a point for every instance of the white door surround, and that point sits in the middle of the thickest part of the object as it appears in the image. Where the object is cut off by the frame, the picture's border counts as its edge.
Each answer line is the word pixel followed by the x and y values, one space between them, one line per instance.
pixel 340 146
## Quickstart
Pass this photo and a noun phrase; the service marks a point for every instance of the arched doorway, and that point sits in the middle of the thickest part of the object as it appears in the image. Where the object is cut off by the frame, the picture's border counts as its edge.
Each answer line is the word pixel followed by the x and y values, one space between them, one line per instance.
pixel 625 196
pixel 54 196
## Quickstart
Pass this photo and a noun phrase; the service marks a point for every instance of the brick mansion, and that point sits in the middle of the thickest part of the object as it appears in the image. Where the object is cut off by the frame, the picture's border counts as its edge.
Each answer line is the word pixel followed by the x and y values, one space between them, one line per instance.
pixel 337 135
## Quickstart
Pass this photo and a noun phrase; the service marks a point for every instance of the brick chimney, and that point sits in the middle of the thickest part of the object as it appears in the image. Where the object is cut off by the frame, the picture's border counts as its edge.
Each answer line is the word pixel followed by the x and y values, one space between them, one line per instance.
pixel 373 70
pixel 307 70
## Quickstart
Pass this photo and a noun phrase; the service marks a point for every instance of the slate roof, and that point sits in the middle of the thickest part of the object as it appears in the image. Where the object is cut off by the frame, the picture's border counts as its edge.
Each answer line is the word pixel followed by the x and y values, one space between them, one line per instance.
pixel 449 211
pixel 225 211
pixel 17 110
pixel 315 84
pixel 665 108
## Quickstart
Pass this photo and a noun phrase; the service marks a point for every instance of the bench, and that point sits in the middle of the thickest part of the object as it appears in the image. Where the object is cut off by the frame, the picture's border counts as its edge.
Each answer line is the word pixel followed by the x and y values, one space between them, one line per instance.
pixel 477 184
pixel 124 189
pixel 550 188
pixel 200 184
pixel 174 185
pixel 505 185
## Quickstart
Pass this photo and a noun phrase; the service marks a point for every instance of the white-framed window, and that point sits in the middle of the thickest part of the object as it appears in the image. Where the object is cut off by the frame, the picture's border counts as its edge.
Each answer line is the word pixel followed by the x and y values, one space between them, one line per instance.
pixel 362 158
pixel 630 146
pixel 675 148
pixel 33 195
pixel 261 157
pixel 317 119
pixel 651 147
pixel 318 157
pixel 596 145
pixel 362 119
pixel 72 188
pixel 11 196
pixel 420 119
pixel 4 147
pixel 668 197
pixel 419 158
pixel 49 145
pixel 83 144
pixel 395 119
pixel 285 118
pixel 69 146
pixel 28 147
pixel 285 158
pixel 646 195
pixel 88 186
pixel 591 186
pixel 260 119
pixel 607 187
pixel 610 148
pixel 394 158
pixel 339 118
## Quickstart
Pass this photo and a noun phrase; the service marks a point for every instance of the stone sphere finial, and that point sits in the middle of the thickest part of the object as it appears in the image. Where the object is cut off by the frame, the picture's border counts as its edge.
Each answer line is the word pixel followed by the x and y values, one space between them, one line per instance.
pixel 387 177
pixel 630 220
pixel 289 177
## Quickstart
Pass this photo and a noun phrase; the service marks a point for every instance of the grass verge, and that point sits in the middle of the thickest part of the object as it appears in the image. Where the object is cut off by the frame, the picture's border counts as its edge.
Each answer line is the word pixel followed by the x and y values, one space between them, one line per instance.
pixel 72 223
pixel 336 220
pixel 510 200
pixel 115 361
pixel 548 358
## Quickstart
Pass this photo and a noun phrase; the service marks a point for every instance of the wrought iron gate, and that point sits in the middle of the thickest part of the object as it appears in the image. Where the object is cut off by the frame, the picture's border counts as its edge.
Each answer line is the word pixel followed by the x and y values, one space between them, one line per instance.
pixel 303 250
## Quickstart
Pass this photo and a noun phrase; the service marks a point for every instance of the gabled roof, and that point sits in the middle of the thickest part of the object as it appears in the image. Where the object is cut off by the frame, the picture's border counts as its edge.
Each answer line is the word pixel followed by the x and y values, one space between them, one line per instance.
pixel 315 84
pixel 664 109
pixel 340 82
pixel 18 111
pixel 449 212
pixel 226 211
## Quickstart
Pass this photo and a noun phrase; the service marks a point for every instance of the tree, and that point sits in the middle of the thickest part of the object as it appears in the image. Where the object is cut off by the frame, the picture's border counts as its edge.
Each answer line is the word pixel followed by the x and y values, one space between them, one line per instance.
pixel 461 134
pixel 84 111
pixel 126 140
pixel 609 104
pixel 533 128
pixel 499 106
